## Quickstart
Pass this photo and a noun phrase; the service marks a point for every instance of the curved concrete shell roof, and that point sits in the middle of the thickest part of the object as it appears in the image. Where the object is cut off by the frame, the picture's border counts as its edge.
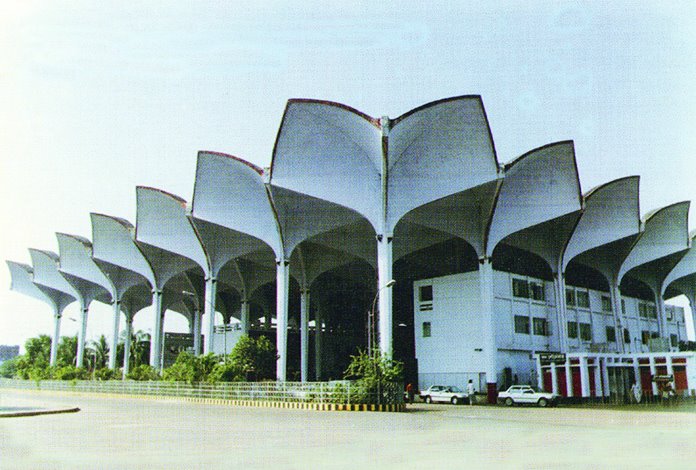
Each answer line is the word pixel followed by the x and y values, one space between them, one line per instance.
pixel 539 203
pixel 78 267
pixel 682 278
pixel 121 278
pixel 45 264
pixel 117 246
pixel 332 152
pixel 231 193
pixel 153 231
pixel 659 246
pixel 609 223
pixel 23 282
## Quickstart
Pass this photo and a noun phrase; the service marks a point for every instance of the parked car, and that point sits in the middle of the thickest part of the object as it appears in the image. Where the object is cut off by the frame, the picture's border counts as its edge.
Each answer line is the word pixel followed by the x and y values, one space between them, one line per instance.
pixel 525 394
pixel 444 394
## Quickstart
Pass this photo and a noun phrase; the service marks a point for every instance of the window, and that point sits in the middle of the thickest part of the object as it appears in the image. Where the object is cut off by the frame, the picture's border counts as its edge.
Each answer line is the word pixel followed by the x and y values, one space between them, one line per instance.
pixel 642 310
pixel 606 304
pixel 538 291
pixel 425 298
pixel 540 326
pixel 570 297
pixel 521 324
pixel 645 337
pixel 583 298
pixel 670 314
pixel 623 306
pixel 627 335
pixel 611 334
pixel 426 329
pixel 585 332
pixel 652 311
pixel 673 340
pixel 572 329
pixel 520 288
pixel 425 293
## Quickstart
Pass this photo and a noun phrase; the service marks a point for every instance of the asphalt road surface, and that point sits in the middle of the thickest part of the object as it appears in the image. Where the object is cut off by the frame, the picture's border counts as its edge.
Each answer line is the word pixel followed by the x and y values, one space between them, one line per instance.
pixel 126 433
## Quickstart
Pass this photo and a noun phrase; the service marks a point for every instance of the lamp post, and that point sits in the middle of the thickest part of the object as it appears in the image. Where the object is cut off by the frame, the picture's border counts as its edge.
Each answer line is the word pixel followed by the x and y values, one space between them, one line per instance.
pixel 371 317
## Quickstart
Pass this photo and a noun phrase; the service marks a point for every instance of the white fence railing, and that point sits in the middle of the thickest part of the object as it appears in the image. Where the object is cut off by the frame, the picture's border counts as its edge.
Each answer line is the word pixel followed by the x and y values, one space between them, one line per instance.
pixel 339 392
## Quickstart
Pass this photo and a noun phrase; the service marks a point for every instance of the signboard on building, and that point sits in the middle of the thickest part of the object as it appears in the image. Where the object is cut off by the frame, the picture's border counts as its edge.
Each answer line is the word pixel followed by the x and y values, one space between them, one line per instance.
pixel 547 358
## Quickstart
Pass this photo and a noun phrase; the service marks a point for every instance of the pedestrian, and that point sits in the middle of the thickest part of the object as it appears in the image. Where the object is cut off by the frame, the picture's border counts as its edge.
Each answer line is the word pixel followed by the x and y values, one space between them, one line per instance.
pixel 409 392
pixel 471 391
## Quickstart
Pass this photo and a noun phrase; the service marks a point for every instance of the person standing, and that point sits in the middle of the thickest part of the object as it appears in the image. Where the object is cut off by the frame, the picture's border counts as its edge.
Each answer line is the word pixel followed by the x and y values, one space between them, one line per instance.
pixel 471 391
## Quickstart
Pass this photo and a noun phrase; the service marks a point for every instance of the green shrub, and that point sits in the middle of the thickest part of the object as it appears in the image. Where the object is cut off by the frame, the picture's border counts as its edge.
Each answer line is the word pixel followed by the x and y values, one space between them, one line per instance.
pixel 226 372
pixel 8 369
pixel 70 373
pixel 106 374
pixel 143 372
pixel 190 368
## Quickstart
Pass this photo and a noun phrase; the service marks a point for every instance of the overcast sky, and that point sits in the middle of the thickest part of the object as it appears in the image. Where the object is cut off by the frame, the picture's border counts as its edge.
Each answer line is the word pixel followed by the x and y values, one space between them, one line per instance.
pixel 97 97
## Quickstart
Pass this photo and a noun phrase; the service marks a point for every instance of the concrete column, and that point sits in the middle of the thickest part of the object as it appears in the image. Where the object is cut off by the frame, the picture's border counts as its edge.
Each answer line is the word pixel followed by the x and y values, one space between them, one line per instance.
pixel 82 334
pixel 56 336
pixel 197 332
pixel 127 345
pixel 160 360
pixel 304 335
pixel 569 378
pixel 661 317
pixel 636 370
pixel 282 288
pixel 599 387
pixel 209 308
pixel 155 340
pixel 489 328
pixel 384 271
pixel 584 378
pixel 692 304
pixel 653 372
pixel 561 316
pixel 605 378
pixel 554 378
pixel 540 374
pixel 245 316
pixel 318 338
pixel 114 341
pixel 670 370
pixel 618 324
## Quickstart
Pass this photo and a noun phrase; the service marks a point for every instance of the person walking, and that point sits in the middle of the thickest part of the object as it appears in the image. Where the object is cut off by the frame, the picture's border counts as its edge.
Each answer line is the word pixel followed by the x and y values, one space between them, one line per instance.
pixel 471 391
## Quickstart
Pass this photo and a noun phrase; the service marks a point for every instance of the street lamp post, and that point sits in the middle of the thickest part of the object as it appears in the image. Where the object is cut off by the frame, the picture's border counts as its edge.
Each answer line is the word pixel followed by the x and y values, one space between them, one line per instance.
pixel 371 332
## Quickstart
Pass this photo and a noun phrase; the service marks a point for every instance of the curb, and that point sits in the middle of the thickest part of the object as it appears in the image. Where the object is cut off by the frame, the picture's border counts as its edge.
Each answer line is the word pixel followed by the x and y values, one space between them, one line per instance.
pixel 390 408
pixel 19 414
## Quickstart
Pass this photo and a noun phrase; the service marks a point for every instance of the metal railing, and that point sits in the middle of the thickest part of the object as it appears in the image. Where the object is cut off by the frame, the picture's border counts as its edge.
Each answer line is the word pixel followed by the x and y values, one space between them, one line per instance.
pixel 337 392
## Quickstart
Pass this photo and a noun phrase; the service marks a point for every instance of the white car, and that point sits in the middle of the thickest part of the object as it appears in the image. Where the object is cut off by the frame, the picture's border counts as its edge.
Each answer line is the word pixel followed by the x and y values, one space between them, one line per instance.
pixel 444 394
pixel 525 394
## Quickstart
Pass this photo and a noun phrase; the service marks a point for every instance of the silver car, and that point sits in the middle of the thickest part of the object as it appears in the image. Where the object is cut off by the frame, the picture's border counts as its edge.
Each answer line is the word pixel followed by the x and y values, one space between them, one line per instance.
pixel 525 394
pixel 444 394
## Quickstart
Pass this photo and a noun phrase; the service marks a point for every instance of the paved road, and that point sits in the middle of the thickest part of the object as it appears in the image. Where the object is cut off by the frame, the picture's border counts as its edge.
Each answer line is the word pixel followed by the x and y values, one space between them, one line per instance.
pixel 136 433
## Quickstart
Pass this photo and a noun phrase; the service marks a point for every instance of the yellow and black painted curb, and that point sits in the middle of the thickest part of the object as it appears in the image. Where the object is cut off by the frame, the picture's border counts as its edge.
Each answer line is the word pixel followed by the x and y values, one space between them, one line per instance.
pixel 391 408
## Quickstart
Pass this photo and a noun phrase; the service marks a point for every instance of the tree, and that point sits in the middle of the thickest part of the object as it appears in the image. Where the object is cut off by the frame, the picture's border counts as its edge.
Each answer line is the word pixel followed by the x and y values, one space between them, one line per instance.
pixel 67 351
pixel 34 363
pixel 98 353
pixel 254 358
pixel 190 368
pixel 143 372
pixel 8 369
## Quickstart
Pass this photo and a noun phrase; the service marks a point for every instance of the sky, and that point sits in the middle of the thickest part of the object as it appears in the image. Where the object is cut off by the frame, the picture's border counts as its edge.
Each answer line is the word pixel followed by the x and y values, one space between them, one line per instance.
pixel 99 97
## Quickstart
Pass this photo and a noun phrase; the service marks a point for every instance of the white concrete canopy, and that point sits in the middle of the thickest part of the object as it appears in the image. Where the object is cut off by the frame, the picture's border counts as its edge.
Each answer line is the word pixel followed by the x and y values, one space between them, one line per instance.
pixel 608 226
pixel 80 270
pixel 658 249
pixel 22 281
pixel 681 280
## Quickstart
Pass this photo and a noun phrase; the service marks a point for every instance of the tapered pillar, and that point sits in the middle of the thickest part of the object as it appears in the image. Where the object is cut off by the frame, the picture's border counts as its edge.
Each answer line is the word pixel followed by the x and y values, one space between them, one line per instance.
pixel 56 337
pixel 653 373
pixel 156 340
pixel 127 346
pixel 197 332
pixel 282 287
pixel 554 378
pixel 304 335
pixel 561 316
pixel 210 297
pixel 114 340
pixel 661 317
pixel 318 338
pixel 488 328
pixel 384 271
pixel 584 378
pixel 245 316
pixel 616 307
pixel 81 336
pixel 569 378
